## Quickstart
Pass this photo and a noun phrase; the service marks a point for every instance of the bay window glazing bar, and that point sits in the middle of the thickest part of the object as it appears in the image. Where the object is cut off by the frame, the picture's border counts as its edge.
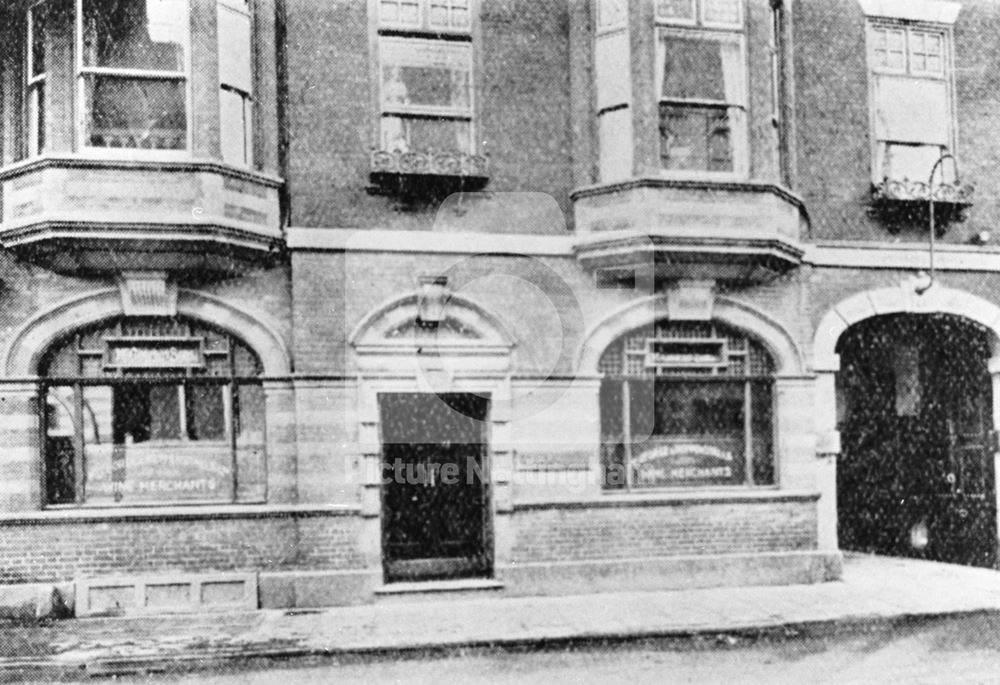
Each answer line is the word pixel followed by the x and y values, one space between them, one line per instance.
pixel 627 433
pixel 748 432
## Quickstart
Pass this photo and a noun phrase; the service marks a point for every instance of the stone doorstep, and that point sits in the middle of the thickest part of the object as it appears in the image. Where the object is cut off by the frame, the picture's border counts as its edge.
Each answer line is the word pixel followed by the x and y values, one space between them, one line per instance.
pixel 166 594
pixel 437 590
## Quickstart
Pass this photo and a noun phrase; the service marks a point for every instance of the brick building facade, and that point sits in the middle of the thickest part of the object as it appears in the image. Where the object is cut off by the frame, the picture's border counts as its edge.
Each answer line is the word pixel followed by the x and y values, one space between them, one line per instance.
pixel 312 301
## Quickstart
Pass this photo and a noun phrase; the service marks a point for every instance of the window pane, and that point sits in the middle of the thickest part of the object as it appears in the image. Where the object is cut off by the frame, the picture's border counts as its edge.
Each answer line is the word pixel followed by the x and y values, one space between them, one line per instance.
pixel 135 34
pixel 421 74
pixel 675 9
pixel 38 37
pixel 702 69
pixel 400 12
pixel 902 162
pixel 888 48
pixel 422 134
pixel 235 50
pixel 695 138
pixel 139 450
pixel 36 118
pixel 60 445
pixel 697 433
pixel 250 442
pixel 234 126
pixel 449 14
pixel 206 412
pixel 615 131
pixel 926 52
pixel 722 12
pixel 763 434
pixel 898 97
pixel 135 113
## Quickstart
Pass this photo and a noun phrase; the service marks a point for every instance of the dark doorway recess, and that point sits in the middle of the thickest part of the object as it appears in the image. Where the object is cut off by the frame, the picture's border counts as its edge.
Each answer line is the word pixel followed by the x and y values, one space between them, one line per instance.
pixel 916 475
pixel 435 486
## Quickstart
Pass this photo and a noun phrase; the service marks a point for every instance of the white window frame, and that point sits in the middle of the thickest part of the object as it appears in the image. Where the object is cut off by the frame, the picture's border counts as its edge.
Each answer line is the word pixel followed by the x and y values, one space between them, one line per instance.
pixel 423 22
pixel 245 8
pixel 879 148
pixel 82 71
pixel 698 8
pixel 738 111
pixel 35 86
pixel 466 114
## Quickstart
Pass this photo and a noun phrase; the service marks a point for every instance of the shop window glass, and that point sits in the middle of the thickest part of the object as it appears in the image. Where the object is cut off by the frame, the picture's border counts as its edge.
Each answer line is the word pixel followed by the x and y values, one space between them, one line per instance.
pixel 148 423
pixel 686 404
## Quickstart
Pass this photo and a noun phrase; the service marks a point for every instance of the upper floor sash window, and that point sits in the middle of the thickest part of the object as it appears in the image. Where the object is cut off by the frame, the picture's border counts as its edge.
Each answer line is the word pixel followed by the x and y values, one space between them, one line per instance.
pixel 132 66
pixel 701 87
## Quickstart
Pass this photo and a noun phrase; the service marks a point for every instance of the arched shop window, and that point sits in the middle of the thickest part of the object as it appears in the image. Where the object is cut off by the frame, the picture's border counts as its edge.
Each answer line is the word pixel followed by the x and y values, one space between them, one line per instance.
pixel 152 411
pixel 686 404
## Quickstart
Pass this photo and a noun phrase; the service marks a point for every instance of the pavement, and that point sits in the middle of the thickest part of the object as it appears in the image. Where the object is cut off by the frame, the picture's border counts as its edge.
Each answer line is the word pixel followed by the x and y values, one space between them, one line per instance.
pixel 874 592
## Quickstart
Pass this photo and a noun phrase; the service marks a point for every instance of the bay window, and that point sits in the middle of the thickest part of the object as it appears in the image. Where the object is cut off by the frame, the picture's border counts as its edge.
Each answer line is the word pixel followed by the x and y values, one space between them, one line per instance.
pixel 701 86
pixel 910 72
pixel 147 411
pixel 686 404
pixel 133 73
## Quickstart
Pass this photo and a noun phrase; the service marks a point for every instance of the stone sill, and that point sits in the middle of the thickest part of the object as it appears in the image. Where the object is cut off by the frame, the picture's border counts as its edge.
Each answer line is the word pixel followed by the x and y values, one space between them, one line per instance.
pixel 692 184
pixel 673 498
pixel 181 165
pixel 57 516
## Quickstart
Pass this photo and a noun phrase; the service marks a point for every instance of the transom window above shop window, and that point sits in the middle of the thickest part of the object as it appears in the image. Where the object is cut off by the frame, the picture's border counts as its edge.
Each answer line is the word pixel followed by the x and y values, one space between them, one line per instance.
pixel 687 404
pixel 435 15
pixel 714 13
pixel 133 73
pixel 151 411
pixel 910 72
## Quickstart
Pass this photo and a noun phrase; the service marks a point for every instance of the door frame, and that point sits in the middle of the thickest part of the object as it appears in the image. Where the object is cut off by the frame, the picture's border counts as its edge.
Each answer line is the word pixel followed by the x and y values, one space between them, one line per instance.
pixel 486 543
pixel 853 308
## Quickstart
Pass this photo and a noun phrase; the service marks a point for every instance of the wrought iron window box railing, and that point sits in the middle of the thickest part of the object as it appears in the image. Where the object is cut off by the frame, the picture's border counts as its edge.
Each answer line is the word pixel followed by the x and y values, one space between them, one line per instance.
pixel 906 200
pixel 427 172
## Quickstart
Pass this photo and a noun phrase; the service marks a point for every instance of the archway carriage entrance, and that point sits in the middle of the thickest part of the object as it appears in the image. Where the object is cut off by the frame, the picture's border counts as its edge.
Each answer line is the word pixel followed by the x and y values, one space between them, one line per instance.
pixel 915 411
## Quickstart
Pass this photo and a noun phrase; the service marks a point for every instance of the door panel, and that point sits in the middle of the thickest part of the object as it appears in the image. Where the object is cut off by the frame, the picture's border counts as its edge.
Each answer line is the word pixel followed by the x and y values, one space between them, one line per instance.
pixel 435 503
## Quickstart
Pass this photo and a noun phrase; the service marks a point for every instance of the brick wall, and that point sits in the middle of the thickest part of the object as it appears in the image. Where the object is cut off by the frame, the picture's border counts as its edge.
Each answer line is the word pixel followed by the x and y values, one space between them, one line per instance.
pixel 522 92
pixel 610 532
pixel 834 160
pixel 54 551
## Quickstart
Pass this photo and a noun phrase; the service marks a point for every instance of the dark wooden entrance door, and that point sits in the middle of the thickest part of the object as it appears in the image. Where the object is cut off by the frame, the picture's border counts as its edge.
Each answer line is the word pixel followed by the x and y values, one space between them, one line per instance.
pixel 435 495
pixel 916 477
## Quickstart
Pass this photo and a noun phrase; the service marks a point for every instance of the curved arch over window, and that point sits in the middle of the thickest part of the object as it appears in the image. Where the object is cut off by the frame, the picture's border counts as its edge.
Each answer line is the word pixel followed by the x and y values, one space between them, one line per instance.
pixel 152 410
pixel 687 404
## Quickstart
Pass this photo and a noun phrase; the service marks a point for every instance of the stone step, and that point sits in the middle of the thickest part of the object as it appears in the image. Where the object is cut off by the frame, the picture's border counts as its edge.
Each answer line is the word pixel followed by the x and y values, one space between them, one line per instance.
pixel 437 590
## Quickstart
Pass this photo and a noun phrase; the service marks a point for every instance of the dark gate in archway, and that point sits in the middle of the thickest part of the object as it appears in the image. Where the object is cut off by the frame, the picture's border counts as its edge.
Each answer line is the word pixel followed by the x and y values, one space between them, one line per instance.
pixel 916 475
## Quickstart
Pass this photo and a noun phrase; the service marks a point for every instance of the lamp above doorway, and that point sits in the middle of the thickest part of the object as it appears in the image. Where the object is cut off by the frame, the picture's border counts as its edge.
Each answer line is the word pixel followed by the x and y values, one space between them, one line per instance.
pixel 432 300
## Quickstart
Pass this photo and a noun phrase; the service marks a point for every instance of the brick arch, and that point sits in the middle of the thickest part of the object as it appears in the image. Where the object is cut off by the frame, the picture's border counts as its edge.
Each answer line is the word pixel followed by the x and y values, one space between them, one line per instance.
pixel 902 299
pixel 788 359
pixel 31 341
